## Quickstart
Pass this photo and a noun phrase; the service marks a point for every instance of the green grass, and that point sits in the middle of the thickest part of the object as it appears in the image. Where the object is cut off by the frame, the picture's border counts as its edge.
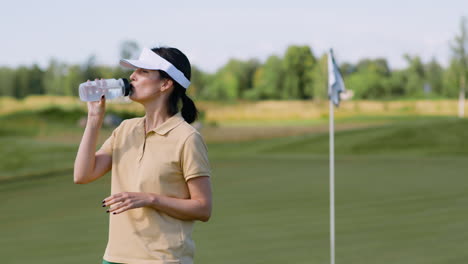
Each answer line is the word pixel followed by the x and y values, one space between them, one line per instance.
pixel 431 137
pixel 421 137
pixel 23 157
pixel 400 198
pixel 38 143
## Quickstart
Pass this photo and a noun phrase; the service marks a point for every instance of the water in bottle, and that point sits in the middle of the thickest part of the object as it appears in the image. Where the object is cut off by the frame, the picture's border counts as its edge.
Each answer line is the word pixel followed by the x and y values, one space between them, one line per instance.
pixel 112 89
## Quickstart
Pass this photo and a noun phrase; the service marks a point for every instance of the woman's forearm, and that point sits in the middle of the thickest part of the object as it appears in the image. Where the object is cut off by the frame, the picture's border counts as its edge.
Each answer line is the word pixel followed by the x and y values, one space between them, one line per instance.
pixel 184 209
pixel 85 158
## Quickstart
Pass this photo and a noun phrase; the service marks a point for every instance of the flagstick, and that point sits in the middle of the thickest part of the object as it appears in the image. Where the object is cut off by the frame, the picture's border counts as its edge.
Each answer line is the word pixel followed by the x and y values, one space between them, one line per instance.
pixel 332 184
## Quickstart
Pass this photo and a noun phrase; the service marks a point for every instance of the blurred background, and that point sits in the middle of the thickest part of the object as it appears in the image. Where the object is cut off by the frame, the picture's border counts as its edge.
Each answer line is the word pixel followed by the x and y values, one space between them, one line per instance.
pixel 259 79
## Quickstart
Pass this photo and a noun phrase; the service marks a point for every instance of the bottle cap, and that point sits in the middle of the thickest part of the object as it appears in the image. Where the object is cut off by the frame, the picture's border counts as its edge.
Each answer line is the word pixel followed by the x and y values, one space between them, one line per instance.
pixel 127 87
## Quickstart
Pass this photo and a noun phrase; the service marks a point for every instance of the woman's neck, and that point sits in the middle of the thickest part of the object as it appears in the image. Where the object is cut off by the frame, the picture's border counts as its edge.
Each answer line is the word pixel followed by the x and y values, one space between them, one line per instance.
pixel 156 114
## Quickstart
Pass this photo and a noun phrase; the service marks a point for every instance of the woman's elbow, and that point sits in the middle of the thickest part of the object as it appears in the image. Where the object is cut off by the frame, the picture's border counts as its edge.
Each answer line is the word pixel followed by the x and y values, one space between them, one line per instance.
pixel 206 215
pixel 204 218
pixel 77 179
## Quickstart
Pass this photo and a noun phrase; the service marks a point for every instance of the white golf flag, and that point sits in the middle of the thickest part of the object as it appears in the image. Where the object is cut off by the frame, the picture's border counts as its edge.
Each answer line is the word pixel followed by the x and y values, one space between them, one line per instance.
pixel 335 87
pixel 335 81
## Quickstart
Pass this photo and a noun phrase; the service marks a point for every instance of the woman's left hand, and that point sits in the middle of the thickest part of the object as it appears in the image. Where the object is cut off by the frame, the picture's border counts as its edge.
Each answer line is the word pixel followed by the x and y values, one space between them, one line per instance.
pixel 127 200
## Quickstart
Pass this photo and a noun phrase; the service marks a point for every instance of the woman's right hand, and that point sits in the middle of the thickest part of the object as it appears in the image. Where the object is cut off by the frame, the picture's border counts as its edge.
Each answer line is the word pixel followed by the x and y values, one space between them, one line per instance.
pixel 97 109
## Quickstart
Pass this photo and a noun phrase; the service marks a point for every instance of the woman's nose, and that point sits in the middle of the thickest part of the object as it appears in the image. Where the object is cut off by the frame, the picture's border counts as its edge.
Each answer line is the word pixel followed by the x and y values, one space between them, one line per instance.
pixel 132 77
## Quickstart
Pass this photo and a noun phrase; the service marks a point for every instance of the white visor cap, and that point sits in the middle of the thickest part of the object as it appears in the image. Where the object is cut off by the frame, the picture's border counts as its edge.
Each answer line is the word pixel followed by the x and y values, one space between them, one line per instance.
pixel 152 61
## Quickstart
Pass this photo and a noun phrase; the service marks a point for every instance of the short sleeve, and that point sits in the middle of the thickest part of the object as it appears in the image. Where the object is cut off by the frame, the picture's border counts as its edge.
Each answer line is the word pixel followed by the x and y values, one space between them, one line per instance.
pixel 108 145
pixel 195 157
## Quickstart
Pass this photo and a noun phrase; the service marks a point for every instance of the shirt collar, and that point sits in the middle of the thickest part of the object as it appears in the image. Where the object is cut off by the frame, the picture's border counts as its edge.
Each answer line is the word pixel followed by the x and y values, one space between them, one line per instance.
pixel 167 126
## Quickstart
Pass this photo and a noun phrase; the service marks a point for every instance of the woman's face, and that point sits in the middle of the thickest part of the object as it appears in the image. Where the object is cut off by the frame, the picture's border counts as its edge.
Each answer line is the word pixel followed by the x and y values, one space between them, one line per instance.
pixel 147 85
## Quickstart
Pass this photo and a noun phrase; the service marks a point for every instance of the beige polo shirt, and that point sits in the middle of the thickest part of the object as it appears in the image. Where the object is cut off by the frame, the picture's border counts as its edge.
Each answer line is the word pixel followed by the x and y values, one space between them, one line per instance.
pixel 161 162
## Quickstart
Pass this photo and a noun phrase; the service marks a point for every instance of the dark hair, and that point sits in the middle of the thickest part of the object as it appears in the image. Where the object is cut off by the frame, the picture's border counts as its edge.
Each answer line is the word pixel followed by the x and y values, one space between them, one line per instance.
pixel 181 62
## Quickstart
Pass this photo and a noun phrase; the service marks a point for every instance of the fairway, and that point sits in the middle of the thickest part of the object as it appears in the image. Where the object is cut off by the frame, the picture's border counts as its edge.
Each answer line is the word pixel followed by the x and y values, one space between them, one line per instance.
pixel 271 204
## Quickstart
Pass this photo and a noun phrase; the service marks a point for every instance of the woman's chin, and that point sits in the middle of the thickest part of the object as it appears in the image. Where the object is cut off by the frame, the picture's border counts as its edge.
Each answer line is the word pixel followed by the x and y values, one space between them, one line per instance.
pixel 133 97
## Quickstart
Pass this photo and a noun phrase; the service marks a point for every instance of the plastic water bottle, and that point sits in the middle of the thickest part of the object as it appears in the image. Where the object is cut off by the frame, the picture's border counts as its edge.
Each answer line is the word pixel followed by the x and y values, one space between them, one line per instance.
pixel 114 90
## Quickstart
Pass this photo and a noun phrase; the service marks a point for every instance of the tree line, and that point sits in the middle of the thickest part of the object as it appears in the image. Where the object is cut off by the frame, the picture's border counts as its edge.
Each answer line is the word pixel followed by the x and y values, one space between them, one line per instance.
pixel 299 74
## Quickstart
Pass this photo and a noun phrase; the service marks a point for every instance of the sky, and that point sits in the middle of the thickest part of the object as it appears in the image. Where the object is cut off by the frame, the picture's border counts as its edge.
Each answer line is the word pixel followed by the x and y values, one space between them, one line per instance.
pixel 211 32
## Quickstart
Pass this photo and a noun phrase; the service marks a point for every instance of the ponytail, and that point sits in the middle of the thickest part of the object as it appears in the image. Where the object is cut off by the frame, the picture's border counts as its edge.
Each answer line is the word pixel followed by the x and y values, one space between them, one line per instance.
pixel 181 62
pixel 189 110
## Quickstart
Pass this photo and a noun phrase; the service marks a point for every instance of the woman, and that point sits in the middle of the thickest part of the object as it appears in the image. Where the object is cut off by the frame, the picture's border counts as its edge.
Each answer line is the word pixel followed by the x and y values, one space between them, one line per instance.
pixel 160 169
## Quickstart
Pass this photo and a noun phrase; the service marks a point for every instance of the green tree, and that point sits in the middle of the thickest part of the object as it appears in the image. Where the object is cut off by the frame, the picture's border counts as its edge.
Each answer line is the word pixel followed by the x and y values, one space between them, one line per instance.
pixel 35 81
pixel 268 80
pixel 231 81
pixel 198 82
pixel 223 85
pixel 53 79
pixel 459 55
pixel 7 81
pixel 246 73
pixel 298 64
pixel 396 84
pixel 21 84
pixel 346 68
pixel 320 77
pixel 451 79
pixel 434 76
pixel 415 76
pixel 72 80
pixel 371 79
pixel 90 70
pixel 379 66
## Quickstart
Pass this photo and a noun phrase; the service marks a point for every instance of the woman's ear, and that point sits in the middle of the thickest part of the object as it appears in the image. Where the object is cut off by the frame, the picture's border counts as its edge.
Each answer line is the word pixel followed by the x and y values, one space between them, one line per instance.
pixel 168 83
